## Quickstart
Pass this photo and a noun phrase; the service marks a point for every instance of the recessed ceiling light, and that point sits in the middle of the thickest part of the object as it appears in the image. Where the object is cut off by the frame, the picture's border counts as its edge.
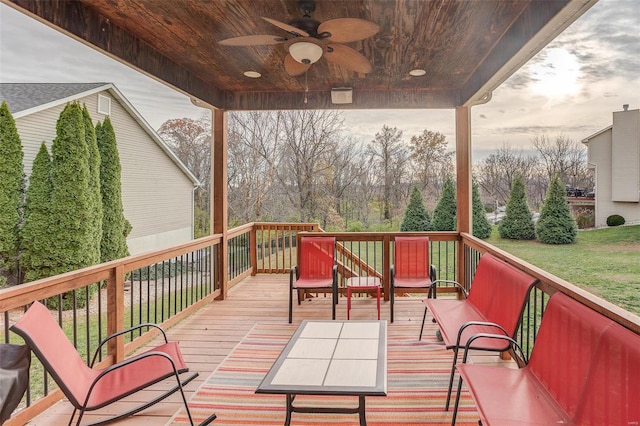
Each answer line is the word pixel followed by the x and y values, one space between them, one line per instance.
pixel 417 72
pixel 252 74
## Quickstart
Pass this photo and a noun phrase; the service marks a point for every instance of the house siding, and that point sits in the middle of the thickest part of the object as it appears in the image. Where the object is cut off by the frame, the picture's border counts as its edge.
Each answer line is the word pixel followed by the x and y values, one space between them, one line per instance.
pixel 603 157
pixel 626 156
pixel 156 194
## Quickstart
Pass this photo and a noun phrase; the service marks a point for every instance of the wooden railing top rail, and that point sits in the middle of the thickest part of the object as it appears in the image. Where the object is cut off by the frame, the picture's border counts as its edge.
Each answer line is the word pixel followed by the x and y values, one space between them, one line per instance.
pixel 551 283
pixel 379 236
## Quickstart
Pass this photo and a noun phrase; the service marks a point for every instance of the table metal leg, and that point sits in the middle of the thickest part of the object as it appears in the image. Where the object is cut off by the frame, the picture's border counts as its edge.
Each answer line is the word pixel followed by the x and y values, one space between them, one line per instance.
pixel 361 411
pixel 287 421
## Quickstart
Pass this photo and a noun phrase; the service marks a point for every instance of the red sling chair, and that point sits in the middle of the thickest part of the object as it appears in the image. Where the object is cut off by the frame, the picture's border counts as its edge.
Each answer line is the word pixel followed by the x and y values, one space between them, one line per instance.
pixel 316 270
pixel 411 268
pixel 88 388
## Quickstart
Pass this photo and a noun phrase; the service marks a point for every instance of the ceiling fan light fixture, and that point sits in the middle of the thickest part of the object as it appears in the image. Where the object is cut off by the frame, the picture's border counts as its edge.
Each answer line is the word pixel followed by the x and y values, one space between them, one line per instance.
pixel 417 72
pixel 305 52
pixel 252 74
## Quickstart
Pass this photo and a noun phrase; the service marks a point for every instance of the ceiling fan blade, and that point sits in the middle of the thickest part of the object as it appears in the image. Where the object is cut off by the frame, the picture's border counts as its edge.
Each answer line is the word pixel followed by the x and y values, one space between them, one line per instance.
pixel 348 58
pixel 287 27
pixel 293 67
pixel 252 40
pixel 345 30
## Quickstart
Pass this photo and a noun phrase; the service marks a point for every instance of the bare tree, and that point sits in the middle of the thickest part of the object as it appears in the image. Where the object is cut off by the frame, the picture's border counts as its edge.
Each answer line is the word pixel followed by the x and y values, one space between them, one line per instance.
pixel 390 156
pixel 563 157
pixel 253 160
pixel 495 174
pixel 431 162
pixel 310 139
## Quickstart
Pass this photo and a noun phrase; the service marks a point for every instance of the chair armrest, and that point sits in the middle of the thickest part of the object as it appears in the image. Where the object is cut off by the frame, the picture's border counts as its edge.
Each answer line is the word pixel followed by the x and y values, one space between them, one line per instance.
pixel 484 323
pixel 119 333
pixel 512 344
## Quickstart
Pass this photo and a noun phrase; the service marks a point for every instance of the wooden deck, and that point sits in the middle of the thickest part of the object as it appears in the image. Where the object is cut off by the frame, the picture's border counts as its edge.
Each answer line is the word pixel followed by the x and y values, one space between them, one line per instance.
pixel 210 334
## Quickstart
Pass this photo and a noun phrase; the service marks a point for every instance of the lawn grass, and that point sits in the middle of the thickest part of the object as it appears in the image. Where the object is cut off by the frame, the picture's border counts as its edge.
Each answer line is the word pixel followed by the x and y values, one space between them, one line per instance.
pixel 605 262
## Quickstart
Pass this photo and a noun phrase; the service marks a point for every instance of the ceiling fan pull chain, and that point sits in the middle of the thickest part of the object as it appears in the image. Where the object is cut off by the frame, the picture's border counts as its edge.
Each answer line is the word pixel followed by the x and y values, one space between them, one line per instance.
pixel 306 87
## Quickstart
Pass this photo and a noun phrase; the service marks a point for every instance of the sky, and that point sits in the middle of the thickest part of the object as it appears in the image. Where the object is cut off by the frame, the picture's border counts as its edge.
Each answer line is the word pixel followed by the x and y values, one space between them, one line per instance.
pixel 570 88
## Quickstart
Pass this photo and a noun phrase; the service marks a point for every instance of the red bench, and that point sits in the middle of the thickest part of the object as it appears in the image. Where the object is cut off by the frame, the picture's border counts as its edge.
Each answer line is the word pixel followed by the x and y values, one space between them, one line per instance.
pixel 584 370
pixel 498 294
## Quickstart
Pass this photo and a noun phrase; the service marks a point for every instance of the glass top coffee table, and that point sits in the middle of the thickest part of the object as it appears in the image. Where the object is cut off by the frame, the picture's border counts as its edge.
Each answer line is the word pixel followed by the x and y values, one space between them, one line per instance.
pixel 331 358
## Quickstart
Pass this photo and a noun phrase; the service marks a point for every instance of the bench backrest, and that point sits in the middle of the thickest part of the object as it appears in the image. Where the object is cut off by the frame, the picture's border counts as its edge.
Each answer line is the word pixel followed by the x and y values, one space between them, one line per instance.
pixel 588 363
pixel 499 291
pixel 612 392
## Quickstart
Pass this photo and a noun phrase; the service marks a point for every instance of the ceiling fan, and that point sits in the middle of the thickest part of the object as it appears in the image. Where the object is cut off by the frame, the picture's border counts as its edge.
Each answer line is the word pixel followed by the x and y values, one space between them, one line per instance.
pixel 308 40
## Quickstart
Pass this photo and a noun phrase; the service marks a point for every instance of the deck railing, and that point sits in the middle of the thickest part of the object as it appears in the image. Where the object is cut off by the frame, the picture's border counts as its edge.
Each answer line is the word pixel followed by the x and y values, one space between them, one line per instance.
pixel 162 287
pixel 167 285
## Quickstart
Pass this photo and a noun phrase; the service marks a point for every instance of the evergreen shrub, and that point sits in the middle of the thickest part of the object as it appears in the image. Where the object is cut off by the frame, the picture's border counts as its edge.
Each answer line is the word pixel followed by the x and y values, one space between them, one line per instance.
pixel 615 220
pixel 517 223
pixel 444 215
pixel 556 224
pixel 481 226
pixel 11 195
pixel 416 216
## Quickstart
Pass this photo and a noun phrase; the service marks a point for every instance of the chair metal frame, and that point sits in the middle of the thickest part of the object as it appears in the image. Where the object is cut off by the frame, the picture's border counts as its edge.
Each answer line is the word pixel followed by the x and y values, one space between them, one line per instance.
pixel 300 280
pixel 39 311
pixel 410 282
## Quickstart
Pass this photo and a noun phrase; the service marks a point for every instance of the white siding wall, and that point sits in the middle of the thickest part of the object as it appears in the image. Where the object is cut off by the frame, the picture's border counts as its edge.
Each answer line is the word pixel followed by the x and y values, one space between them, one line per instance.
pixel 156 194
pixel 626 156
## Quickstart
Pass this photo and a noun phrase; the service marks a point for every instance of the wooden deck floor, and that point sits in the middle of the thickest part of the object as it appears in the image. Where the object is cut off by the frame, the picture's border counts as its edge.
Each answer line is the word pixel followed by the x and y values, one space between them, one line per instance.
pixel 207 336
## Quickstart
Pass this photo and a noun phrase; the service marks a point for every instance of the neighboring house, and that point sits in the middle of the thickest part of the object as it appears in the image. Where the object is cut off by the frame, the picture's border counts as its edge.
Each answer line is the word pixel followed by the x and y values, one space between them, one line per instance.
pixel 157 188
pixel 614 155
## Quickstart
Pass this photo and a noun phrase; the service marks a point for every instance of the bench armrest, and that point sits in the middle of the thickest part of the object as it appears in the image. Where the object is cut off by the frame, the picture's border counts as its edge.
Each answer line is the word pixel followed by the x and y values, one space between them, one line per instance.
pixel 483 323
pixel 455 284
pixel 514 346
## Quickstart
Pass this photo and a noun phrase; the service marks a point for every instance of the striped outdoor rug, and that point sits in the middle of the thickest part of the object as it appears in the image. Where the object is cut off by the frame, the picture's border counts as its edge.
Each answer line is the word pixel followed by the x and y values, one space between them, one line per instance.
pixel 418 374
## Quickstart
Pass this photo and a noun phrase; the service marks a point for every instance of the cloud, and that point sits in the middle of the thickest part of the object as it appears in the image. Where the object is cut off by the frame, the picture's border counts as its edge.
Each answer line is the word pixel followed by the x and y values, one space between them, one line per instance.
pixel 604 43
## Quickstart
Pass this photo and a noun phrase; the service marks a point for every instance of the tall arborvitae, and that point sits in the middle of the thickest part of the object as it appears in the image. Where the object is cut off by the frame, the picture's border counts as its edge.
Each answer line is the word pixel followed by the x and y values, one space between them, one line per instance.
pixel 444 215
pixel 556 225
pixel 517 223
pixel 36 256
pixel 70 224
pixel 416 216
pixel 95 196
pixel 114 225
pixel 481 226
pixel 11 195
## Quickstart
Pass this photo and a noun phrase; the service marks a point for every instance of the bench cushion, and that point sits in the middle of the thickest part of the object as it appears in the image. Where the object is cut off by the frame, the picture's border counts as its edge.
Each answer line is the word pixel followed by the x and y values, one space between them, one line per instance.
pixel 506 396
pixel 498 294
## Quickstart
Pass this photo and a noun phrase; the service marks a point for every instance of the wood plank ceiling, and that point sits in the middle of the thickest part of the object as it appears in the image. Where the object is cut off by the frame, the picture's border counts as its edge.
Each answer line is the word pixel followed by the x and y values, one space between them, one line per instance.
pixel 467 48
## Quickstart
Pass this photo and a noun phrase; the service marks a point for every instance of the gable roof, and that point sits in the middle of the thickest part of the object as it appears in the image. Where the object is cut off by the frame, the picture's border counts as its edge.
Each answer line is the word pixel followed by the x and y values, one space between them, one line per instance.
pixel 25 96
pixel 28 98
pixel 598 133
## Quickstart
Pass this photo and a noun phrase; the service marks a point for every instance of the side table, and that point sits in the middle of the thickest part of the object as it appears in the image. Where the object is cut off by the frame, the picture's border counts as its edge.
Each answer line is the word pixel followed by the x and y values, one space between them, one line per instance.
pixel 362 285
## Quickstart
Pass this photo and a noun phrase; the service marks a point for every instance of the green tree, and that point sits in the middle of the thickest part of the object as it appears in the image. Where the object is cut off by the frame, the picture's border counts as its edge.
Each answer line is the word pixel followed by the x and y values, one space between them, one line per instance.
pixel 517 223
pixel 115 227
pixel 36 253
pixel 556 225
pixel 416 216
pixel 94 195
pixel 481 226
pixel 70 202
pixel 11 195
pixel 444 215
